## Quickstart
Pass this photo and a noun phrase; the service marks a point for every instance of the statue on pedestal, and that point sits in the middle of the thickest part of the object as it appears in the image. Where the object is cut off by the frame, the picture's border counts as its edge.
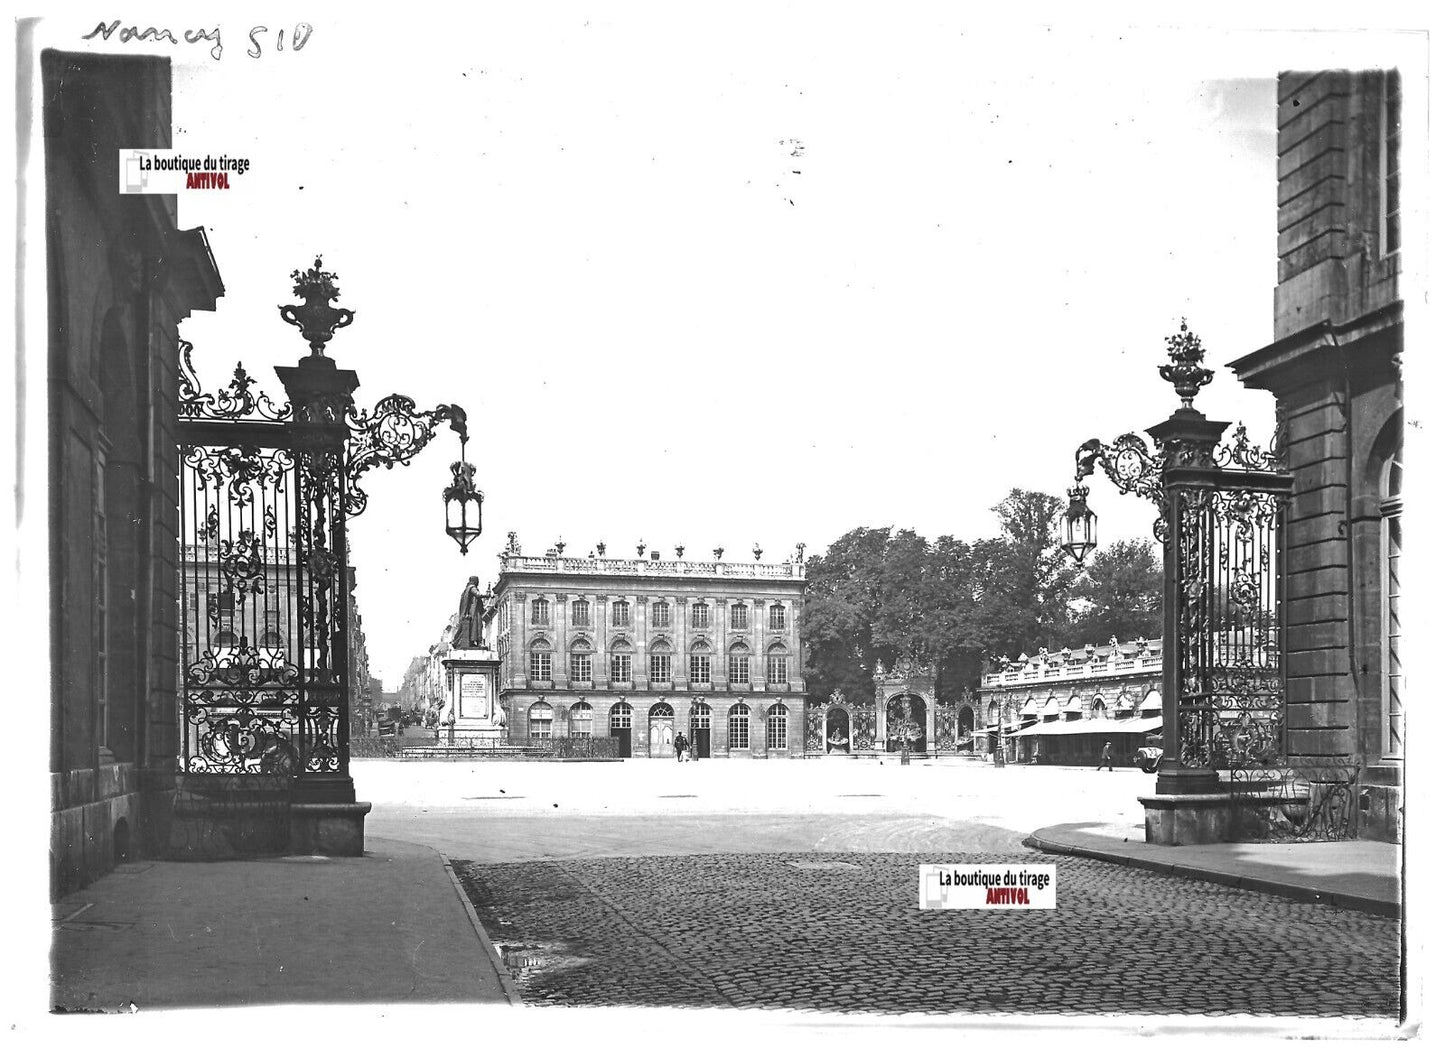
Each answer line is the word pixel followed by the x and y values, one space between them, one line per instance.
pixel 468 634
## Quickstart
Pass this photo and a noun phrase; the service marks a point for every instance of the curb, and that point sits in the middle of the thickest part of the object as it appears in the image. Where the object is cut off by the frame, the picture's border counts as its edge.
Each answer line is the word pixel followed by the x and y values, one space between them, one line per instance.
pixel 1302 893
pixel 509 987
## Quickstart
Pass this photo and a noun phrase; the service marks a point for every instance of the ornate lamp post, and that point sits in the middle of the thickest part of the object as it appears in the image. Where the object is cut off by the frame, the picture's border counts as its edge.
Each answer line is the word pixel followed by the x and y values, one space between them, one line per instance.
pixel 282 483
pixel 1218 521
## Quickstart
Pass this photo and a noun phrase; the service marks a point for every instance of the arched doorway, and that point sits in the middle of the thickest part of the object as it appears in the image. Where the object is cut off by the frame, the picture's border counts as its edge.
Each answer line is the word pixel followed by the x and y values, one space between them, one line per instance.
pixel 701 731
pixel 902 710
pixel 835 738
pixel 660 730
pixel 620 727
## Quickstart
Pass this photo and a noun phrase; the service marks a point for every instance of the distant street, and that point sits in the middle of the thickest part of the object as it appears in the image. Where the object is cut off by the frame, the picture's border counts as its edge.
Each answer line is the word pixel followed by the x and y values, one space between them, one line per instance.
pixel 794 885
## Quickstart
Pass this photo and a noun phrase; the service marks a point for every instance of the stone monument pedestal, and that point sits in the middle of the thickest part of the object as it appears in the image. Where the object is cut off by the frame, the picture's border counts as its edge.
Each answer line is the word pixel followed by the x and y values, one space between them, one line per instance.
pixel 472 696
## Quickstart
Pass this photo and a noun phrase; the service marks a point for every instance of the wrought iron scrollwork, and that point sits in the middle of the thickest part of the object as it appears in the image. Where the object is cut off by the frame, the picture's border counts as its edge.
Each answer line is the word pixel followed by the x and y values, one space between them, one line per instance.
pixel 1133 468
pixel 1306 799
pixel 1231 691
pixel 234 401
pixel 392 433
pixel 1239 452
pixel 865 728
pixel 814 742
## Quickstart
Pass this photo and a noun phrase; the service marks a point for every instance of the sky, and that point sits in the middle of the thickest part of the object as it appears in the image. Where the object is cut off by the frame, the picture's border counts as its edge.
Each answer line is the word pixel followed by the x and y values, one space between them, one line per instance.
pixel 751 275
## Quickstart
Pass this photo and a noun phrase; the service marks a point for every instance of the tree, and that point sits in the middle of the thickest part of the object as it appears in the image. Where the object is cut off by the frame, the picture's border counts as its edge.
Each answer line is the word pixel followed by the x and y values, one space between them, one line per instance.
pixel 878 596
pixel 1029 580
pixel 1121 594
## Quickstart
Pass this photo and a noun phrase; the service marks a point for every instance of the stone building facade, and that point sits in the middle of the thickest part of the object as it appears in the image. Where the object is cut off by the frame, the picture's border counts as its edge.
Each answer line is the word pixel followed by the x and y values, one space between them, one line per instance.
pixel 119 276
pixel 1334 369
pixel 1060 707
pixel 640 650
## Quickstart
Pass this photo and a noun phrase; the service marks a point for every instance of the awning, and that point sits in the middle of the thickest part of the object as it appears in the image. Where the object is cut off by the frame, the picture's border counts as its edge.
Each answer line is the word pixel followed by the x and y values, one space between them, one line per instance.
pixel 1101 726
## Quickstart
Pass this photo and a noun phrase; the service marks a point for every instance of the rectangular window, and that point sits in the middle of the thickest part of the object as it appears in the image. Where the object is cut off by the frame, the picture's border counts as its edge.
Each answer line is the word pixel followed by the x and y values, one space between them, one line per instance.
pixel 661 614
pixel 699 615
pixel 739 616
pixel 581 612
pixel 659 667
pixel 541 665
pixel 777 668
pixel 621 613
pixel 699 668
pixel 621 668
pixel 540 614
pixel 776 615
pixel 739 671
pixel 581 667
pixel 738 728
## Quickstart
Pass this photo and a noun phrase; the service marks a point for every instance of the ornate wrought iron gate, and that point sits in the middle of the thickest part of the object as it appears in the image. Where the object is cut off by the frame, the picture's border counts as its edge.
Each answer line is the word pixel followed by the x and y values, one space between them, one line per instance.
pixel 265 492
pixel 1227 527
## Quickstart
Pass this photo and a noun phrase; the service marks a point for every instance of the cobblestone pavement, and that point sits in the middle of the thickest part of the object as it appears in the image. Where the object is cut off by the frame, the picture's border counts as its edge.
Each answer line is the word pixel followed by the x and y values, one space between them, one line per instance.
pixel 755 930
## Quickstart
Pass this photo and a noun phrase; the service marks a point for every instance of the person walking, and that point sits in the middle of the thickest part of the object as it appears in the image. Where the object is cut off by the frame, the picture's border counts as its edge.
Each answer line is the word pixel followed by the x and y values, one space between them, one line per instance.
pixel 679 744
pixel 1107 756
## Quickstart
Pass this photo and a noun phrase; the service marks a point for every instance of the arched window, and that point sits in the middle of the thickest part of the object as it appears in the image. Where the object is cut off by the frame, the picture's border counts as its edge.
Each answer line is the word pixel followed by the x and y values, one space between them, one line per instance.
pixel 699 663
pixel 778 727
pixel 541 612
pixel 581 612
pixel 1098 711
pixel 620 719
pixel 620 660
pixel 540 660
pixel 992 713
pixel 1075 707
pixel 777 617
pixel 778 664
pixel 1125 705
pixel 739 665
pixel 580 720
pixel 1152 703
pixel 739 727
pixel 539 721
pixel 965 720
pixel 700 615
pixel 661 614
pixel 621 613
pixel 271 640
pixel 738 616
pixel 660 711
pixel 701 717
pixel 659 662
pixel 580 661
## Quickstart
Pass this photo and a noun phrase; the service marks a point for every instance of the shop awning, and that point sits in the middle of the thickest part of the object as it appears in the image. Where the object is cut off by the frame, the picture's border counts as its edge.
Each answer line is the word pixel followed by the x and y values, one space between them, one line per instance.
pixel 1101 726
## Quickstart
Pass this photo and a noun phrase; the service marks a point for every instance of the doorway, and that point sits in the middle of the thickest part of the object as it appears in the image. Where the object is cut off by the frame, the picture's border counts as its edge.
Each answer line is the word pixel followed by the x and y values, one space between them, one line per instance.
pixel 701 734
pixel 660 731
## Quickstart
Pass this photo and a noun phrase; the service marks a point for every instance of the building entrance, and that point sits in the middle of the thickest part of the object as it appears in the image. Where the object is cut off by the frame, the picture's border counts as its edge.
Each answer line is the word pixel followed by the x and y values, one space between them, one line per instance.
pixel 660 731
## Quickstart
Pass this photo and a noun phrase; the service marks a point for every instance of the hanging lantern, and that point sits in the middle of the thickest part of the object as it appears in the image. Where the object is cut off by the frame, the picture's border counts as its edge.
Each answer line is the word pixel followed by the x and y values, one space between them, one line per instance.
pixel 464 503
pixel 1077 534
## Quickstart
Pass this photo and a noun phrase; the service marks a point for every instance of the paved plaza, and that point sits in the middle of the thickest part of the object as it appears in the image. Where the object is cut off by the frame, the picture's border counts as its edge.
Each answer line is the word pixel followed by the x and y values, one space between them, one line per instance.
pixel 794 885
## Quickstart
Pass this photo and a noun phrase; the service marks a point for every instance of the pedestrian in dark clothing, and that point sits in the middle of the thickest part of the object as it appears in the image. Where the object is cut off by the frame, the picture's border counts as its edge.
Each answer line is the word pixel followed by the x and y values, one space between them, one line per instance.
pixel 1107 756
pixel 680 745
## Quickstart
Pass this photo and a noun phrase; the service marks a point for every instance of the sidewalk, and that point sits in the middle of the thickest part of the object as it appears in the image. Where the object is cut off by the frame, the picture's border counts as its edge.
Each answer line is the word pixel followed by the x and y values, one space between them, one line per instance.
pixel 387 927
pixel 1363 875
